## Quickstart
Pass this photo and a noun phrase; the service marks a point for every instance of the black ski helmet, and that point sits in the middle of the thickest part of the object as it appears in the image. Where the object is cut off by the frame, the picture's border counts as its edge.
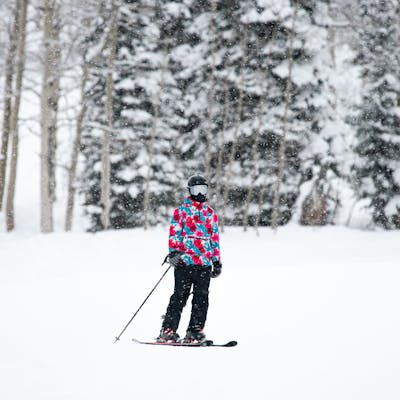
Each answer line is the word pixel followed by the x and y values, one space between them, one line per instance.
pixel 197 180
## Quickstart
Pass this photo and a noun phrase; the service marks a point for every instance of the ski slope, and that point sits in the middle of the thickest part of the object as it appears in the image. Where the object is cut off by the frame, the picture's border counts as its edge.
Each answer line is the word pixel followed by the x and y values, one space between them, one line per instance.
pixel 315 312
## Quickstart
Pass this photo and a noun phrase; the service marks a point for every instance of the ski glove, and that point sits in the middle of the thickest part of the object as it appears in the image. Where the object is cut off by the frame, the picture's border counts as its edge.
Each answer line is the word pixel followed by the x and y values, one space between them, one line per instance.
pixel 175 259
pixel 216 269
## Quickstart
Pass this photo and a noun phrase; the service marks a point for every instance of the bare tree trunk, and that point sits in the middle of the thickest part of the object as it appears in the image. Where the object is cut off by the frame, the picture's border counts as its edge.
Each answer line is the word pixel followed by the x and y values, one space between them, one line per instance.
pixel 260 203
pixel 254 160
pixel 75 151
pixel 282 147
pixel 146 200
pixel 210 102
pixel 222 140
pixel 315 208
pixel 78 137
pixel 10 220
pixel 49 106
pixel 54 95
pixel 235 133
pixel 105 159
pixel 351 213
pixel 332 53
pixel 8 82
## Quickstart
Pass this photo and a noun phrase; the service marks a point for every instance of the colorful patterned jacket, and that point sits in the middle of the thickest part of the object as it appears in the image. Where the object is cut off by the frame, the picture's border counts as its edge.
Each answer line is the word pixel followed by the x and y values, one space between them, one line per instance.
pixel 194 231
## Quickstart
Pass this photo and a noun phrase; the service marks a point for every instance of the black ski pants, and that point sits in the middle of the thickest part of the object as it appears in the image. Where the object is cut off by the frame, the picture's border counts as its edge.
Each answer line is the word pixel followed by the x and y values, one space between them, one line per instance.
pixel 185 278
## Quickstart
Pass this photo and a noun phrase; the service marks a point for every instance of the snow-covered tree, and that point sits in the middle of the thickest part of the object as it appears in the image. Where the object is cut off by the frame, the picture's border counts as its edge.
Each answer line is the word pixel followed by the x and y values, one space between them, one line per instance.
pixel 378 118
pixel 266 27
pixel 327 154
pixel 147 116
pixel 201 86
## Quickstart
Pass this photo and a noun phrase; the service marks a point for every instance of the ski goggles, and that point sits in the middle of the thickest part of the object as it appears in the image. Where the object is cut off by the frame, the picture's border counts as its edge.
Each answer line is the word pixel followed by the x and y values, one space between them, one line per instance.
pixel 198 189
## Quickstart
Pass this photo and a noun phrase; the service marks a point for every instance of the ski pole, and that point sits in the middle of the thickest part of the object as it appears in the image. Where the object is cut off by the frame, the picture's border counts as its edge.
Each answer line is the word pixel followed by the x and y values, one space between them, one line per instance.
pixel 151 292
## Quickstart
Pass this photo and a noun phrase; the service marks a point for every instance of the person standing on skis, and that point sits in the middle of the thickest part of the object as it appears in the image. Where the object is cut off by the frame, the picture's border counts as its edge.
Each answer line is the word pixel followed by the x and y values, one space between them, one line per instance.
pixel 195 254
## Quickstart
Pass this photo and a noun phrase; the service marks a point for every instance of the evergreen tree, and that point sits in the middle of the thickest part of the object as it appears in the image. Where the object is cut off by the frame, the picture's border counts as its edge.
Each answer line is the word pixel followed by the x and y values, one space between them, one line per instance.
pixel 325 158
pixel 378 119
pixel 180 65
pixel 261 30
pixel 146 100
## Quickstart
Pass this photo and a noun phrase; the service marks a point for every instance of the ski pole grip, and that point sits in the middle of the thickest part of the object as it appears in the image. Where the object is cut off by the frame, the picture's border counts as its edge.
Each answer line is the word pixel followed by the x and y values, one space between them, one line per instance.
pixel 165 259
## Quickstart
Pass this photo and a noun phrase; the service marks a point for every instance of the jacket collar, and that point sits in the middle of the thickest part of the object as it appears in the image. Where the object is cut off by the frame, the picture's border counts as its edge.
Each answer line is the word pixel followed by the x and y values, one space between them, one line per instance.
pixel 195 204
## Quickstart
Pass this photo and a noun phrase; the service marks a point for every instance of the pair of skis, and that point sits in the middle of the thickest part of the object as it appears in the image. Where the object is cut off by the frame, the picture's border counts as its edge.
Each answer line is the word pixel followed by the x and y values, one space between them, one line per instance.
pixel 204 343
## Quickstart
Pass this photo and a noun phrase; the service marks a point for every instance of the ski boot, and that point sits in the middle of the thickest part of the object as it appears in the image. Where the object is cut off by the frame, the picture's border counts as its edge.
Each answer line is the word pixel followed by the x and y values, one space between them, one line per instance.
pixel 167 335
pixel 194 335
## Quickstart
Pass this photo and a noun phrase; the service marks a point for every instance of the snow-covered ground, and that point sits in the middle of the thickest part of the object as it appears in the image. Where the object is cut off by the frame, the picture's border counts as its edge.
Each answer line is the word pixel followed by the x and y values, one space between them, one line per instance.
pixel 315 312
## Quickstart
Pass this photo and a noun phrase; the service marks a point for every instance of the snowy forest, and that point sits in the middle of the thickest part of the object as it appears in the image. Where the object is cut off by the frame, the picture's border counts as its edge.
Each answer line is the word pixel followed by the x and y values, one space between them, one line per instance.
pixel 291 111
pixel 290 108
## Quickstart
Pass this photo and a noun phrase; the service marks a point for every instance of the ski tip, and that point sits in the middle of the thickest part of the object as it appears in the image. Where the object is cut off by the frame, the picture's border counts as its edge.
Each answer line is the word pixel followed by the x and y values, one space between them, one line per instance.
pixel 232 343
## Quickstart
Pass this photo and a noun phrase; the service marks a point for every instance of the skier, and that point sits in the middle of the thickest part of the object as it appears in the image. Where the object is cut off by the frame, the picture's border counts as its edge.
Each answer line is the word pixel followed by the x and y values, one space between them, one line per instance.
pixel 194 252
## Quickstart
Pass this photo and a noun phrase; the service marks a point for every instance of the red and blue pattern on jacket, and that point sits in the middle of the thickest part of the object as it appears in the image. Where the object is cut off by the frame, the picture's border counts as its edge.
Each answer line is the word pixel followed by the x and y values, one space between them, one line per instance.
pixel 194 231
